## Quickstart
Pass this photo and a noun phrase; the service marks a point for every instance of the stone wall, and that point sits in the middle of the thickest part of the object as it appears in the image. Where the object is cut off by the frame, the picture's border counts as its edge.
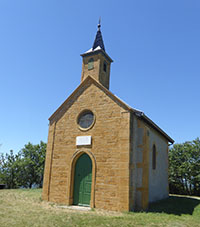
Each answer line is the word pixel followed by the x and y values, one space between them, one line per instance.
pixel 147 185
pixel 141 163
pixel 110 149
pixel 97 71
pixel 158 178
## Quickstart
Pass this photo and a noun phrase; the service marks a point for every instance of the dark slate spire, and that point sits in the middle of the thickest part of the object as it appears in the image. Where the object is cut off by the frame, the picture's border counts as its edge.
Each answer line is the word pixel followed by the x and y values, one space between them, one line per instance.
pixel 98 40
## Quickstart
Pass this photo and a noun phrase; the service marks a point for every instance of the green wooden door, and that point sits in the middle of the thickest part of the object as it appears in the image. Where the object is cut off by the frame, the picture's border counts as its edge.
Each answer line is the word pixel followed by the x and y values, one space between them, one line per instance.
pixel 83 180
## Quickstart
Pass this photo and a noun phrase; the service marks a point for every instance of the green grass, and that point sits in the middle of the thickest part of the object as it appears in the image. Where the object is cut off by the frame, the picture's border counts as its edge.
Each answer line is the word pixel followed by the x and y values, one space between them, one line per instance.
pixel 25 208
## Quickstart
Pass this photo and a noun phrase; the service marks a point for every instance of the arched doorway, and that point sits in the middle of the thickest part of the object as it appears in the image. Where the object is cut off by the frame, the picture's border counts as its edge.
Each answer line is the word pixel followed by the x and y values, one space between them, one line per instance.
pixel 82 181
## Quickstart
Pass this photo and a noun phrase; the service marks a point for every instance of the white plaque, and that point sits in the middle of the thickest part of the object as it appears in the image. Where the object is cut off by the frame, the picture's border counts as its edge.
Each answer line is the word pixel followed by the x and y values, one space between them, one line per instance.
pixel 83 140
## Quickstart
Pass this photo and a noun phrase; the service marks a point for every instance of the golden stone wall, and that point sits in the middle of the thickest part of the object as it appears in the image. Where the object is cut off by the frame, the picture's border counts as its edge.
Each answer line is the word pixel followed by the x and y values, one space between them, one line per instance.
pixel 97 71
pixel 109 151
pixel 119 152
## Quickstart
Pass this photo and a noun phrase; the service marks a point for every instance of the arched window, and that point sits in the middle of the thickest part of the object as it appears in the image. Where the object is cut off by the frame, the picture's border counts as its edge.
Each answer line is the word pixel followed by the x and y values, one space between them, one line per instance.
pixel 154 157
pixel 91 63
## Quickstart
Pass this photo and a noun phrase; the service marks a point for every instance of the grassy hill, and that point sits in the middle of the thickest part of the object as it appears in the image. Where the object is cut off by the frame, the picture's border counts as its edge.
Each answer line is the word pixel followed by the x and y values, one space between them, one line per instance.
pixel 23 208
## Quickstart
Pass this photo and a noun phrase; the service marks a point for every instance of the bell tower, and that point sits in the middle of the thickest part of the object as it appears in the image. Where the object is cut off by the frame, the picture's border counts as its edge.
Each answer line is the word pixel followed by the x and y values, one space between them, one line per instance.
pixel 96 62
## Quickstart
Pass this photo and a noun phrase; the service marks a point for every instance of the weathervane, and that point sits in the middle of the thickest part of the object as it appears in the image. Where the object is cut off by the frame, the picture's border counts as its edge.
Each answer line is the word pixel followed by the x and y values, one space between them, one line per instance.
pixel 99 25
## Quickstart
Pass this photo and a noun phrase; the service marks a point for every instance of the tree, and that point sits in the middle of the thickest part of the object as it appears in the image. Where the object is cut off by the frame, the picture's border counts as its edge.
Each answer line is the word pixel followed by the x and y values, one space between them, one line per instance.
pixel 32 161
pixel 9 170
pixel 184 168
pixel 24 169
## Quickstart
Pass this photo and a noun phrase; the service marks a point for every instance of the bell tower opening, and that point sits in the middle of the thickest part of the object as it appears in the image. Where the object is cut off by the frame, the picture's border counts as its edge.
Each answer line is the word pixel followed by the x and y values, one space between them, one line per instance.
pixel 96 62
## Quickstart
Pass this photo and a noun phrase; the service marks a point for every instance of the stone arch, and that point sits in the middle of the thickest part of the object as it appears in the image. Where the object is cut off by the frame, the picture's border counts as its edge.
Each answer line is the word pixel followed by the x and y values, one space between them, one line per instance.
pixel 74 158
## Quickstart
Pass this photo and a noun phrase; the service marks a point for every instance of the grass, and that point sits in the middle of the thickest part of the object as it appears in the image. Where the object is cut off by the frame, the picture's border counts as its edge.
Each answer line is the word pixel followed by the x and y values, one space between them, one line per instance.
pixel 23 207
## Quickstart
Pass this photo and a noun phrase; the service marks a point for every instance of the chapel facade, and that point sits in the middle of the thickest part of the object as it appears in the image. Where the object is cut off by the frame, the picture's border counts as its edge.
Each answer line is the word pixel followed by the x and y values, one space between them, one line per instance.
pixel 101 152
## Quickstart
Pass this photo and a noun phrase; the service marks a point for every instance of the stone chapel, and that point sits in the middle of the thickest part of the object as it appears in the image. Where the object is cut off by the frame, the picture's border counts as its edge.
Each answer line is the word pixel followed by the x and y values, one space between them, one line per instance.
pixel 101 152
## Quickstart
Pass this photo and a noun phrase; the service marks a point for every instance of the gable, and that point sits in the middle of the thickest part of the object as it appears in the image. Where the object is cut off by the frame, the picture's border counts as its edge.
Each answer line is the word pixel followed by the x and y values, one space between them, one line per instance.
pixel 91 81
pixel 78 92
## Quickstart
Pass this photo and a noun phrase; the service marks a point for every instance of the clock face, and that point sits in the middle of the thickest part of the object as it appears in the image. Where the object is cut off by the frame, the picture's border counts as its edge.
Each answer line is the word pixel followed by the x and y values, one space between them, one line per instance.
pixel 86 119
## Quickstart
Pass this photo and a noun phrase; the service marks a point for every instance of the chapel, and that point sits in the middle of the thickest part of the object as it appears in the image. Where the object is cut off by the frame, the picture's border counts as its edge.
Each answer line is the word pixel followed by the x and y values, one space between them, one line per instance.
pixel 101 152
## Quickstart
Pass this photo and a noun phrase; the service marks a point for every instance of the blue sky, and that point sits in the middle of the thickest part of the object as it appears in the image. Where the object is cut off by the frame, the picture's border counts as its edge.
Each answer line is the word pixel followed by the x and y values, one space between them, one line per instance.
pixel 155 46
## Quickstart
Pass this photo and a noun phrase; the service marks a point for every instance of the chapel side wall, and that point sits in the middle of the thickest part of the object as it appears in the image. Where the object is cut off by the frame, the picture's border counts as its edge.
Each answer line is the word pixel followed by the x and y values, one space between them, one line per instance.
pixel 158 178
pixel 133 158
pixel 141 163
pixel 110 148
pixel 151 185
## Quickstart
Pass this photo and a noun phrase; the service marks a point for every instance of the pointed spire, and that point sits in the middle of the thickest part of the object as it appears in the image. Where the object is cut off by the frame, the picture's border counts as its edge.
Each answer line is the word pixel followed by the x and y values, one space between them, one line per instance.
pixel 98 40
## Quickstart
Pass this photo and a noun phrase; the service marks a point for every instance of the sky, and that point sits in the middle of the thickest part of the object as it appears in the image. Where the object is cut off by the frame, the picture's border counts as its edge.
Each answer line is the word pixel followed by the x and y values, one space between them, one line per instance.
pixel 155 46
